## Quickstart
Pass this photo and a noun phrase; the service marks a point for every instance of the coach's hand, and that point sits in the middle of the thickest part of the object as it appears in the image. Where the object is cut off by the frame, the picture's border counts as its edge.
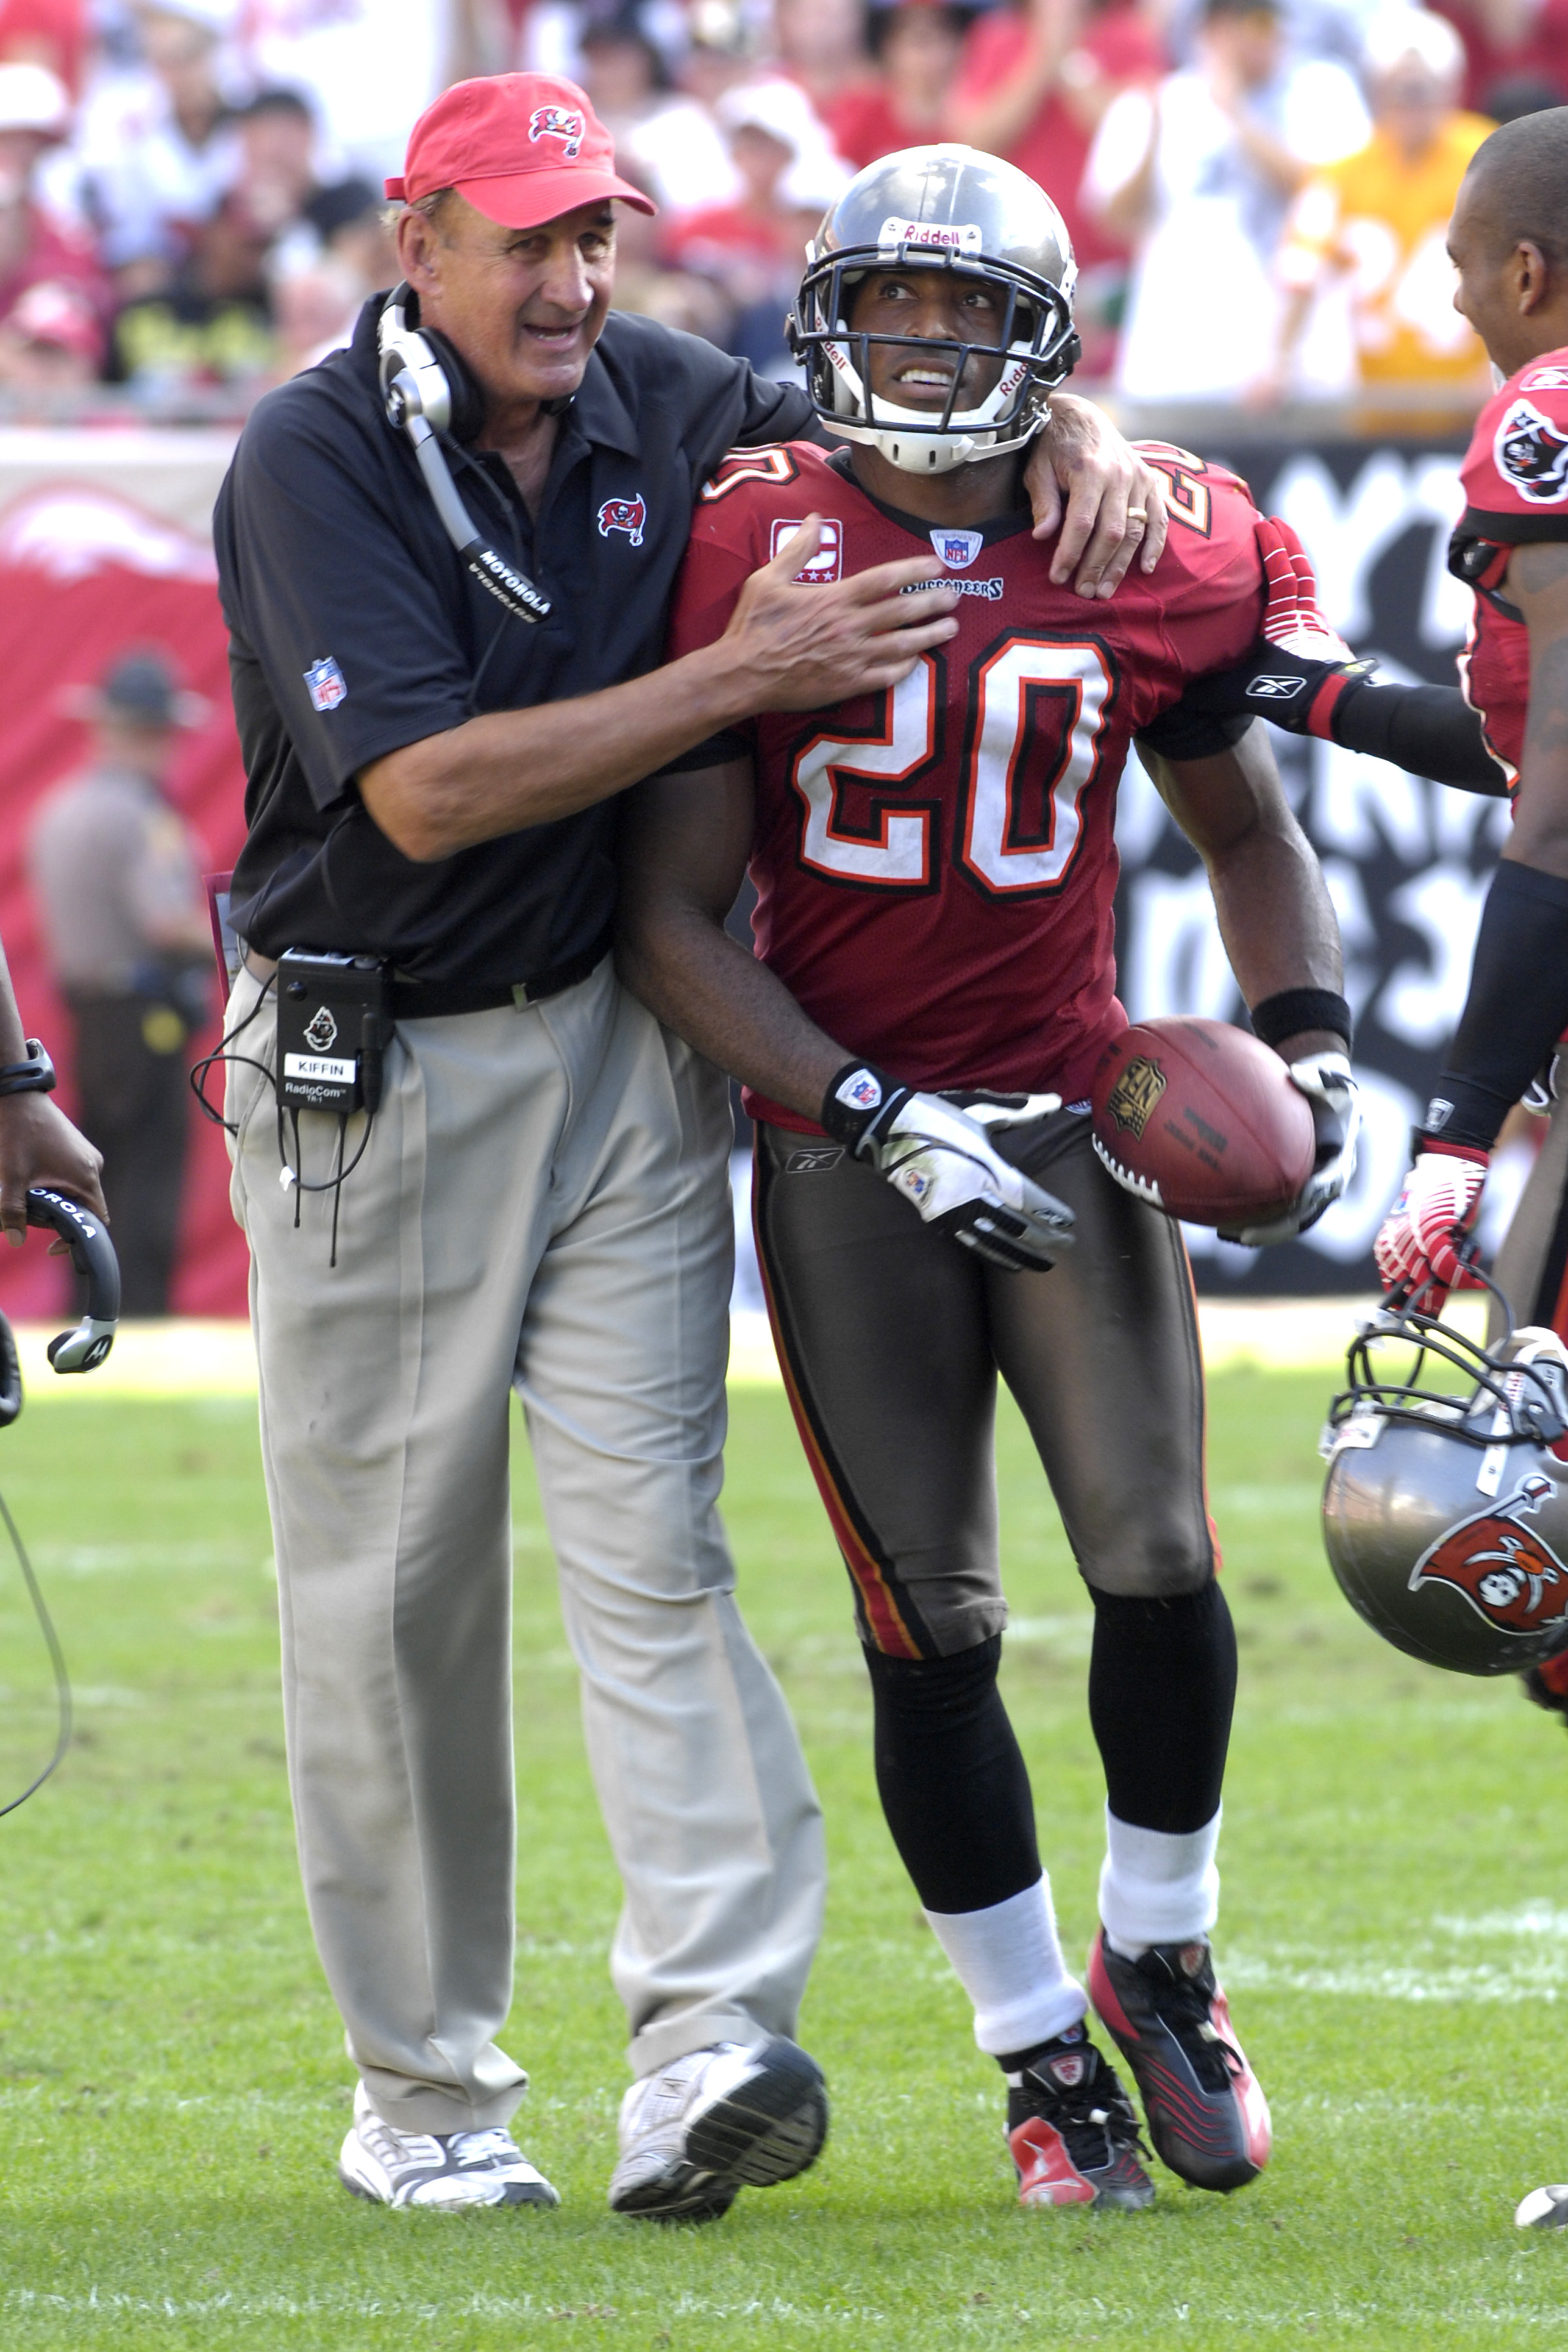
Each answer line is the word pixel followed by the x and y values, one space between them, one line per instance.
pixel 806 645
pixel 39 1145
pixel 1108 502
pixel 943 1161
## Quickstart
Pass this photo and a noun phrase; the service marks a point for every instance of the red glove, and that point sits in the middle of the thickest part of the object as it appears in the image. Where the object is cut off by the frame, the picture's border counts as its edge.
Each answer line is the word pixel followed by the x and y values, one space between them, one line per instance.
pixel 1293 619
pixel 1418 1241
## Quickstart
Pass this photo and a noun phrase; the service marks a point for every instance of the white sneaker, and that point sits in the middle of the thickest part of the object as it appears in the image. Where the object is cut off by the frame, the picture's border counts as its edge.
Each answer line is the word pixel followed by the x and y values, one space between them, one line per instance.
pixel 440 2169
pixel 1543 2209
pixel 714 2121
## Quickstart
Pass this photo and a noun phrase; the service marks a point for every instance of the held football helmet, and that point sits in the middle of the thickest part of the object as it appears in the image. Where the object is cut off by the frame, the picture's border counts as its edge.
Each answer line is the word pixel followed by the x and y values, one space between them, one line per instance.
pixel 1446 1515
pixel 952 208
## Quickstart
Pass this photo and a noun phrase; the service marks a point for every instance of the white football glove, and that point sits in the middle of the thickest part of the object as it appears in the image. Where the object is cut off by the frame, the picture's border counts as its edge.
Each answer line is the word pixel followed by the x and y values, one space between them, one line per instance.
pixel 1419 1242
pixel 1334 1100
pixel 938 1153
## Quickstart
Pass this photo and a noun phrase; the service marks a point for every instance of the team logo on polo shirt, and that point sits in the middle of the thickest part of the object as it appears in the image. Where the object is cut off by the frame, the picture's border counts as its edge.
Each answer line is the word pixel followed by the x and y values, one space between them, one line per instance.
pixel 1532 453
pixel 828 560
pixel 957 549
pixel 325 684
pixel 624 514
pixel 557 123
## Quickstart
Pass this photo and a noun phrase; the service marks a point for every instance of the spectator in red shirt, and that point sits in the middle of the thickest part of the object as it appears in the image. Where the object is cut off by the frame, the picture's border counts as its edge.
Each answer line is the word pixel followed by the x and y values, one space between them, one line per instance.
pixel 1036 80
pixel 35 250
pixel 919 44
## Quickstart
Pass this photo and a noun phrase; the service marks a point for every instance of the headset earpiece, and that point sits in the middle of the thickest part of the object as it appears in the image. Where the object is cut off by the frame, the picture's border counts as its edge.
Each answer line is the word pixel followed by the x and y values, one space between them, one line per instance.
pixel 466 401
pixel 428 394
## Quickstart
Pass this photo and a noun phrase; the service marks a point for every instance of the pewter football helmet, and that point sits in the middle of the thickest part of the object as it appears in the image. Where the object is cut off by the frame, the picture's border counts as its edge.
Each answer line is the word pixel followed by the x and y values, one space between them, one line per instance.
pixel 944 208
pixel 1445 1515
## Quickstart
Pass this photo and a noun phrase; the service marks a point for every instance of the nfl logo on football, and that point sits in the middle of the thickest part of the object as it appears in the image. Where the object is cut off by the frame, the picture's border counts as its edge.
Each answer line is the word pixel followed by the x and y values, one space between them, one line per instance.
pixel 324 683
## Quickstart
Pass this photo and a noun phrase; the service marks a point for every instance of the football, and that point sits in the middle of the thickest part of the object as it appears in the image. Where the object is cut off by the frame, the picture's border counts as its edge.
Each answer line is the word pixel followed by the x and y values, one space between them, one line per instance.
pixel 1202 1121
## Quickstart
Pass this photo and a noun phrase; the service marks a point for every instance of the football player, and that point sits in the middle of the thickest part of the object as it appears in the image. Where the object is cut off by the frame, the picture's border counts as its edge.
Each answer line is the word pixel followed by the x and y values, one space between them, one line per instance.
pixel 1507 244
pixel 932 987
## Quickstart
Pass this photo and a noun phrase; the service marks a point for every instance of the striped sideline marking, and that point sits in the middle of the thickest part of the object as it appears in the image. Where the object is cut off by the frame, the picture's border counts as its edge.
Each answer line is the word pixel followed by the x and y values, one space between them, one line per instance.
pixel 215 1360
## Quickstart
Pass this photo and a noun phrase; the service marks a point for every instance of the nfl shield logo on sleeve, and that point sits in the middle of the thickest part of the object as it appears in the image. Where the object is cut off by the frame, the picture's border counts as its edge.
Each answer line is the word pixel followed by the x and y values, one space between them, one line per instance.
pixel 957 549
pixel 325 682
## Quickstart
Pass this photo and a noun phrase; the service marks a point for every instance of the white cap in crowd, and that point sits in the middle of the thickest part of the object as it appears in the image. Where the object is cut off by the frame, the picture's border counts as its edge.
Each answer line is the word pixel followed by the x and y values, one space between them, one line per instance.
pixel 33 99
pixel 1416 33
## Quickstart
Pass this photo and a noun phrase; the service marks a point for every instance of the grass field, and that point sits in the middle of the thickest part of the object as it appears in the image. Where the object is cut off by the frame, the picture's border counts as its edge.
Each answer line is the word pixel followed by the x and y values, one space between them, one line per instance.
pixel 1394 1938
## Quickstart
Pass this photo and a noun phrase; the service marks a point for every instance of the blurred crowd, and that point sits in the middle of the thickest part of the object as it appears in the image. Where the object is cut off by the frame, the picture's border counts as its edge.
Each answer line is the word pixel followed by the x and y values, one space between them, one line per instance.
pixel 191 199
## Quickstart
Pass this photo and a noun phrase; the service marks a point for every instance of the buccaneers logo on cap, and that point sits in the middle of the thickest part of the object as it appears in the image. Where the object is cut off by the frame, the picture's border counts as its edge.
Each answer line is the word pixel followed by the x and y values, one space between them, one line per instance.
pixel 624 514
pixel 1532 452
pixel 1505 1571
pixel 558 122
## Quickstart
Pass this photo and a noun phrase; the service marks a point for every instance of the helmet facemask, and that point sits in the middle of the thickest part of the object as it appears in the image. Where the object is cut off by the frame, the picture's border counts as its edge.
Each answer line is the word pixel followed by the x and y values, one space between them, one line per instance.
pixel 1035 347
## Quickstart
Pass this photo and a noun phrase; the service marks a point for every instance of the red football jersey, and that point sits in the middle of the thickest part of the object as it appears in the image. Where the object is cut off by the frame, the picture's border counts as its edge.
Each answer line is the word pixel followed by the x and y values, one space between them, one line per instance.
pixel 935 866
pixel 1515 477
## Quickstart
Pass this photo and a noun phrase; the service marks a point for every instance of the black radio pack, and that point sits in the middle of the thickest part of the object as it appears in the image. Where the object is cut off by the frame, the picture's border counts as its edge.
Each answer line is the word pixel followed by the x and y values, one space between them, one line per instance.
pixel 333 1027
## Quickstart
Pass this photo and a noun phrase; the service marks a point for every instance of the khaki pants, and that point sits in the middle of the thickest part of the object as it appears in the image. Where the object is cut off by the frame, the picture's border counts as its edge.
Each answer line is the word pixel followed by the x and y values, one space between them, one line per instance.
pixel 542 1204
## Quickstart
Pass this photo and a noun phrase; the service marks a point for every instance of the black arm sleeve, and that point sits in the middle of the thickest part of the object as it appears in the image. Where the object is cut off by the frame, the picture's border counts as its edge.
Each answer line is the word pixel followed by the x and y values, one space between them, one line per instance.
pixel 1428 731
pixel 1516 1011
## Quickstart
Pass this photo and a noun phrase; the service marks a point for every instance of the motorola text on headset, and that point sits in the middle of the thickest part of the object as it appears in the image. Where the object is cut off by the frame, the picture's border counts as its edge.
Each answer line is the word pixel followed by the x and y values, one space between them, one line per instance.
pixel 81 1350
pixel 429 393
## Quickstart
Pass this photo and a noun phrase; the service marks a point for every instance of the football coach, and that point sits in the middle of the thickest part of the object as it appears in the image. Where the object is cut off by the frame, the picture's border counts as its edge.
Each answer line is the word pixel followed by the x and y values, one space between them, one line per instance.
pixel 533 1194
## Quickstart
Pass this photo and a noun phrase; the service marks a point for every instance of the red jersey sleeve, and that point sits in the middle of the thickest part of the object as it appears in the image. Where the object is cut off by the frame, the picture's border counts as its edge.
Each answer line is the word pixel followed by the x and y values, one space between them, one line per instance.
pixel 731 537
pixel 1515 473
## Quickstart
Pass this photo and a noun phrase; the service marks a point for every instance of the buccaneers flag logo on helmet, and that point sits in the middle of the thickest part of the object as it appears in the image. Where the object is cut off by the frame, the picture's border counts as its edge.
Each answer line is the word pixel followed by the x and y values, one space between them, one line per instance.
pixel 1505 1571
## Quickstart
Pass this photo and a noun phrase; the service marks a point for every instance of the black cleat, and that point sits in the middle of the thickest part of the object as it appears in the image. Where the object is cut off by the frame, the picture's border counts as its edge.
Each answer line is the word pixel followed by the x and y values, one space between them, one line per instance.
pixel 1207 2116
pixel 1072 2131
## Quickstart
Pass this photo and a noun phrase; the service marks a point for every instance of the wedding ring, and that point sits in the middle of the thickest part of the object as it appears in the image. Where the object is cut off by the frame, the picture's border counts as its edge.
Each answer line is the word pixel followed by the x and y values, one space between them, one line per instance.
pixel 1137 514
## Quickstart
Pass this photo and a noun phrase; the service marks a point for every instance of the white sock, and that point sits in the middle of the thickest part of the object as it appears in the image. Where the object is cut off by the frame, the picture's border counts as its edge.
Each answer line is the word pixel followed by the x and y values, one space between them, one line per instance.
pixel 1009 1961
pixel 1156 1888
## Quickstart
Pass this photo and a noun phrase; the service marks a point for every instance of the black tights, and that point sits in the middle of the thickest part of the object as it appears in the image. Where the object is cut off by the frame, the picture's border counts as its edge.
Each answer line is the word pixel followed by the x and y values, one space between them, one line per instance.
pixel 951 1777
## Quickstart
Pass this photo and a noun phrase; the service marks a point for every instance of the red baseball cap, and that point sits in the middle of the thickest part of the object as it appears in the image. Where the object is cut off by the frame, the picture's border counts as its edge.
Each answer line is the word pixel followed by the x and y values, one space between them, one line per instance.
pixel 522 148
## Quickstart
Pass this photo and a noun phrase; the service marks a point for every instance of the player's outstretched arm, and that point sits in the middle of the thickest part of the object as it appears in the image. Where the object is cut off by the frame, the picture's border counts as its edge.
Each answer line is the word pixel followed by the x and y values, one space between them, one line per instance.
pixel 1280 934
pixel 1302 677
pixel 684 847
pixel 1517 1008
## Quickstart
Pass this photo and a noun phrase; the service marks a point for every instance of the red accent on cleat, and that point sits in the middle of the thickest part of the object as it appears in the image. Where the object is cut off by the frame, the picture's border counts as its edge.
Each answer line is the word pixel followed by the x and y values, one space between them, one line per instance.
pixel 1206 2113
pixel 1047 2173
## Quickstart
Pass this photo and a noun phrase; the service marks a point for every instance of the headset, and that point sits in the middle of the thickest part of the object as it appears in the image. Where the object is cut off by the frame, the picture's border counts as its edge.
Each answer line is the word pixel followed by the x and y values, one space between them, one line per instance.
pixel 430 392
pixel 92 1255
pixel 81 1350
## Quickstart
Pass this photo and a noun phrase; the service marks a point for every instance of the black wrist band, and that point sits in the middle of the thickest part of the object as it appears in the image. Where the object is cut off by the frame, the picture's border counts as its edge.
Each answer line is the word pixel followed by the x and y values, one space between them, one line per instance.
pixel 1295 1009
pixel 36 1075
pixel 856 1097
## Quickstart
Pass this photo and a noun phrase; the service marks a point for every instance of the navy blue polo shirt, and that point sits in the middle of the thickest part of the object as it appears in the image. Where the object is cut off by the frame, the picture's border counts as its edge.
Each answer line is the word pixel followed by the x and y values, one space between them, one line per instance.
pixel 355 628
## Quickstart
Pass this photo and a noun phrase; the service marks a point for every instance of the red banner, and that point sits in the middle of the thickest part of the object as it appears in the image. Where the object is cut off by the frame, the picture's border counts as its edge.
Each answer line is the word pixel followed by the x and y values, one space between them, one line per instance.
pixel 85 574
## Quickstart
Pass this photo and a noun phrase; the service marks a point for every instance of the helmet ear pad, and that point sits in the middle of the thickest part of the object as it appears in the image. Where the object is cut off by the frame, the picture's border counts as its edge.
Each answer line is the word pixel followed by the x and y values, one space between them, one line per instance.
pixel 462 384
